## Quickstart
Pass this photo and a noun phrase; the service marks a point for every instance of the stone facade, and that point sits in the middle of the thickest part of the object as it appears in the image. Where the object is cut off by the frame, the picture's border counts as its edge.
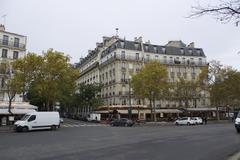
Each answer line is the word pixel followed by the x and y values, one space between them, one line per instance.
pixel 114 61
pixel 12 47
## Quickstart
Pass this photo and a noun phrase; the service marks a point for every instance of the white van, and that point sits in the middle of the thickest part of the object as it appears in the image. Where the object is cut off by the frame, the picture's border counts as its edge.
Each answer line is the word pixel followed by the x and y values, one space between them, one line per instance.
pixel 38 120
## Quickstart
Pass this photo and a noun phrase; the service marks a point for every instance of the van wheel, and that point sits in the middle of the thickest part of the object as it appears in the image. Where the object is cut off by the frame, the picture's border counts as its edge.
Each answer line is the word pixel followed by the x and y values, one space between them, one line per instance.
pixel 53 127
pixel 25 129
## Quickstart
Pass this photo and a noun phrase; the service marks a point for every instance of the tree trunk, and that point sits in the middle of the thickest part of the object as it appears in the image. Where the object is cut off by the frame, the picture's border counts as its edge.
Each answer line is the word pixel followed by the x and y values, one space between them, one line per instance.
pixel 151 109
pixel 154 111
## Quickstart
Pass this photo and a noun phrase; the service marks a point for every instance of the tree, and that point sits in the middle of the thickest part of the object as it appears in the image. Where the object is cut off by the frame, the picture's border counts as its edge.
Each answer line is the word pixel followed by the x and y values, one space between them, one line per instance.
pixel 27 70
pixel 224 11
pixel 12 87
pixel 47 79
pixel 150 82
pixel 87 95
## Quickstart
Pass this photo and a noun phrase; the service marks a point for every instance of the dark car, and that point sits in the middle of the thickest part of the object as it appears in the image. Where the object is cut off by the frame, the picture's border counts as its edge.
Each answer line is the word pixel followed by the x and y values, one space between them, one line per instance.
pixel 122 122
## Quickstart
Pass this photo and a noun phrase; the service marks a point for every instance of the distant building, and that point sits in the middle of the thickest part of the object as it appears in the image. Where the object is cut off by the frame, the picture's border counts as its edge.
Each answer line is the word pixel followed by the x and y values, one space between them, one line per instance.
pixel 12 47
pixel 114 60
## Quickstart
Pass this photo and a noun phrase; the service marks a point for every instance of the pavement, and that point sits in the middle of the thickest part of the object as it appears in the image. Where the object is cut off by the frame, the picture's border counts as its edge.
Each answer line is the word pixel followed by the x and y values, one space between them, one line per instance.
pixel 168 142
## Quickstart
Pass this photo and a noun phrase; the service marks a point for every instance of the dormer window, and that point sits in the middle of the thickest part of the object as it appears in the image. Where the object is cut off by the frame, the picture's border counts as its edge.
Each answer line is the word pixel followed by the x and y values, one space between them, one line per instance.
pixel 190 51
pixel 182 51
pixel 146 47
pixel 164 50
pixel 122 44
pixel 136 46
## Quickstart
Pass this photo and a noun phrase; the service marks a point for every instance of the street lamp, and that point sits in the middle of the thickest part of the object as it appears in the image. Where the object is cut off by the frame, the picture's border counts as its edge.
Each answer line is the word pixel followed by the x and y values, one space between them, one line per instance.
pixel 129 98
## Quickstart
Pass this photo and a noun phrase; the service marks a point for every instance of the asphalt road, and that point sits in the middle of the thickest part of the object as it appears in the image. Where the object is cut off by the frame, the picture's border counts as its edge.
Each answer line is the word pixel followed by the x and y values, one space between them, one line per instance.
pixel 210 142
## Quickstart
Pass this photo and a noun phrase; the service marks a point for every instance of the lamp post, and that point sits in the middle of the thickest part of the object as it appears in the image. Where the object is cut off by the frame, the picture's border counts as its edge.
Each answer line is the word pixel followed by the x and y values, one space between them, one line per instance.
pixel 129 98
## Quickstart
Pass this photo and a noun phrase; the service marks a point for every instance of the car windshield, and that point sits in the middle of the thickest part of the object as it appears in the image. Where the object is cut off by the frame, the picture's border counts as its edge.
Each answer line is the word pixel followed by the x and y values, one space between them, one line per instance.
pixel 25 117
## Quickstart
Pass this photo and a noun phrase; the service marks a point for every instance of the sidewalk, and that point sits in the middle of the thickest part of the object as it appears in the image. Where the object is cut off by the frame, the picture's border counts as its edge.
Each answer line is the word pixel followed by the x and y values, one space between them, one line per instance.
pixel 6 128
pixel 164 123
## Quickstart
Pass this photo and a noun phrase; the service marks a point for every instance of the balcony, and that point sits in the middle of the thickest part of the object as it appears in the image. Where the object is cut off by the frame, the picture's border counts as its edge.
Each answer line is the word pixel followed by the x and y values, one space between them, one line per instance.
pixel 11 44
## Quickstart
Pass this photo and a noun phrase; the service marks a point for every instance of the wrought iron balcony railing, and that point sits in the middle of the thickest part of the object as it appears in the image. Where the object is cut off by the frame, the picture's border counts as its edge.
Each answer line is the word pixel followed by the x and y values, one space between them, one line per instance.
pixel 12 44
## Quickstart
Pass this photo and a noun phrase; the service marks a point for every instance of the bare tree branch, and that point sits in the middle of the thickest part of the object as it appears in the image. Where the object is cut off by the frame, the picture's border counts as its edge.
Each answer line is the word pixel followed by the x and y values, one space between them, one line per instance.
pixel 225 11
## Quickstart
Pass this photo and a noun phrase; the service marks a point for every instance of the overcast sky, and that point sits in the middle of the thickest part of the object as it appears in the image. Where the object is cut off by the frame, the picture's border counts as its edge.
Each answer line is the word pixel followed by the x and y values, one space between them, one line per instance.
pixel 74 26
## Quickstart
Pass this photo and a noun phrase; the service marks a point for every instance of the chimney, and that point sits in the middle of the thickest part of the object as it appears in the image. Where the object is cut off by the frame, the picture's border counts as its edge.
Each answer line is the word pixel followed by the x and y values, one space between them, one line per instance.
pixel 191 45
pixel 2 27
pixel 139 39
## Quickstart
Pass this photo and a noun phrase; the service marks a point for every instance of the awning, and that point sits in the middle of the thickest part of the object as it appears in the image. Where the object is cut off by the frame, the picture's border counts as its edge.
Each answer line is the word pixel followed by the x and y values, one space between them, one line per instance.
pixel 17 108
pixel 201 109
pixel 168 111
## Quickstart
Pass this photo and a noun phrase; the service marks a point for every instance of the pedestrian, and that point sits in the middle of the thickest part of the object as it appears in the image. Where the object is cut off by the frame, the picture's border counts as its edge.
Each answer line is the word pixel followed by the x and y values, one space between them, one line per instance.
pixel 205 120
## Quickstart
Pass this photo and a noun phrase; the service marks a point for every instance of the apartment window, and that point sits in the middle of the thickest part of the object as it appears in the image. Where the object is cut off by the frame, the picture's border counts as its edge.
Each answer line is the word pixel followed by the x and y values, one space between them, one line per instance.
pixel 137 56
pixel 123 55
pixel 15 54
pixel 148 57
pixel 5 40
pixel 183 60
pixel 165 59
pixel 171 60
pixel 163 50
pixel 4 53
pixel 16 42
pixel 146 48
pixel 182 51
pixel 156 57
pixel 200 61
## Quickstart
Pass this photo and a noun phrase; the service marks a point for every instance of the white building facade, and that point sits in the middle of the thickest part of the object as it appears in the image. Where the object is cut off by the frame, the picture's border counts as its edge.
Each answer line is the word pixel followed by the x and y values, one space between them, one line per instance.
pixel 12 47
pixel 115 60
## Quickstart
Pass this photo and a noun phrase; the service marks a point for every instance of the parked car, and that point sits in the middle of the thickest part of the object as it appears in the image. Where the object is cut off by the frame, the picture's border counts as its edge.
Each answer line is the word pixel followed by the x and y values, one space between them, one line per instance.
pixel 198 120
pixel 186 121
pixel 237 122
pixel 122 122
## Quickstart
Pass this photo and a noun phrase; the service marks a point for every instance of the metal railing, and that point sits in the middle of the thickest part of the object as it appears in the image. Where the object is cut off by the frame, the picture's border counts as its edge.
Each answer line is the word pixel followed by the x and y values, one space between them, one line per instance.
pixel 12 44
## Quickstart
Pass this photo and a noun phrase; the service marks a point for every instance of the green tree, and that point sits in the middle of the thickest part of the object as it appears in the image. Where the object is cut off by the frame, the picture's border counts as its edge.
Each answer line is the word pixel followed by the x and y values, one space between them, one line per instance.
pixel 150 83
pixel 47 79
pixel 87 95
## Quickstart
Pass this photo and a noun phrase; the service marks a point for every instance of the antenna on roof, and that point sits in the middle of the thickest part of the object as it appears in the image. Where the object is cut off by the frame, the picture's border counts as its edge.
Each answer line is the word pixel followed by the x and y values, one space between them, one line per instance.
pixel 4 19
pixel 117 32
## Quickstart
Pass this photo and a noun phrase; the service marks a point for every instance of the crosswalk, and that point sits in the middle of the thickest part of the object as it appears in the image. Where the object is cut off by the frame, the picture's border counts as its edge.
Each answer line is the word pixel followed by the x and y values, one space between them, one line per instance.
pixel 70 123
pixel 81 125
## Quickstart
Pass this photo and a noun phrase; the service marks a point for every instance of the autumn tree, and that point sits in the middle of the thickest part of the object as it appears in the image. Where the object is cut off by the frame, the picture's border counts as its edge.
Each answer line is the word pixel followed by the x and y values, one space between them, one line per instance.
pixel 224 11
pixel 47 79
pixel 150 82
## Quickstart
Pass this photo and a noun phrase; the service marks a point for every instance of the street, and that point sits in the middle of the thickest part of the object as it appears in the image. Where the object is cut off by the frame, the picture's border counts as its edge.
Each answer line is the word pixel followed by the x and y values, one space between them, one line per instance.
pixel 210 142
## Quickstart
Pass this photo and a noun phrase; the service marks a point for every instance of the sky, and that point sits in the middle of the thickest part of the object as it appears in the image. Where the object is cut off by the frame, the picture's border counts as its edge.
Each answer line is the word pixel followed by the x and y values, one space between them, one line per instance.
pixel 74 26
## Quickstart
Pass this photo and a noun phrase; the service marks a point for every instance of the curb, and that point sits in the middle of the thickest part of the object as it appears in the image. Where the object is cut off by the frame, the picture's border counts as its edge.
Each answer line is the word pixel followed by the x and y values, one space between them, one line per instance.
pixel 235 156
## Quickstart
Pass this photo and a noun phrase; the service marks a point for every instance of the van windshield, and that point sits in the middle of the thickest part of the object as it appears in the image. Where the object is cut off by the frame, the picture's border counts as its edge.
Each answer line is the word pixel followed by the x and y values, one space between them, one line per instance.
pixel 238 116
pixel 25 117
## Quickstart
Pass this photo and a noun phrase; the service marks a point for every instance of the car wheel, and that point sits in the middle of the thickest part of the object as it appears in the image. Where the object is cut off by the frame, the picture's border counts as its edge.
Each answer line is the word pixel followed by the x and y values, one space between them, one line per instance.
pixel 53 127
pixel 25 129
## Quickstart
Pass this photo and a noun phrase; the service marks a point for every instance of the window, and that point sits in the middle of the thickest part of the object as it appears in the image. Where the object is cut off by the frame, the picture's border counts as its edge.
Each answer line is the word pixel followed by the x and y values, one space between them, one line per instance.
pixel 16 42
pixel 15 54
pixel 165 59
pixel 148 57
pixel 32 118
pixel 4 53
pixel 123 55
pixel 171 60
pixel 200 61
pixel 137 56
pixel 156 56
pixel 5 40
